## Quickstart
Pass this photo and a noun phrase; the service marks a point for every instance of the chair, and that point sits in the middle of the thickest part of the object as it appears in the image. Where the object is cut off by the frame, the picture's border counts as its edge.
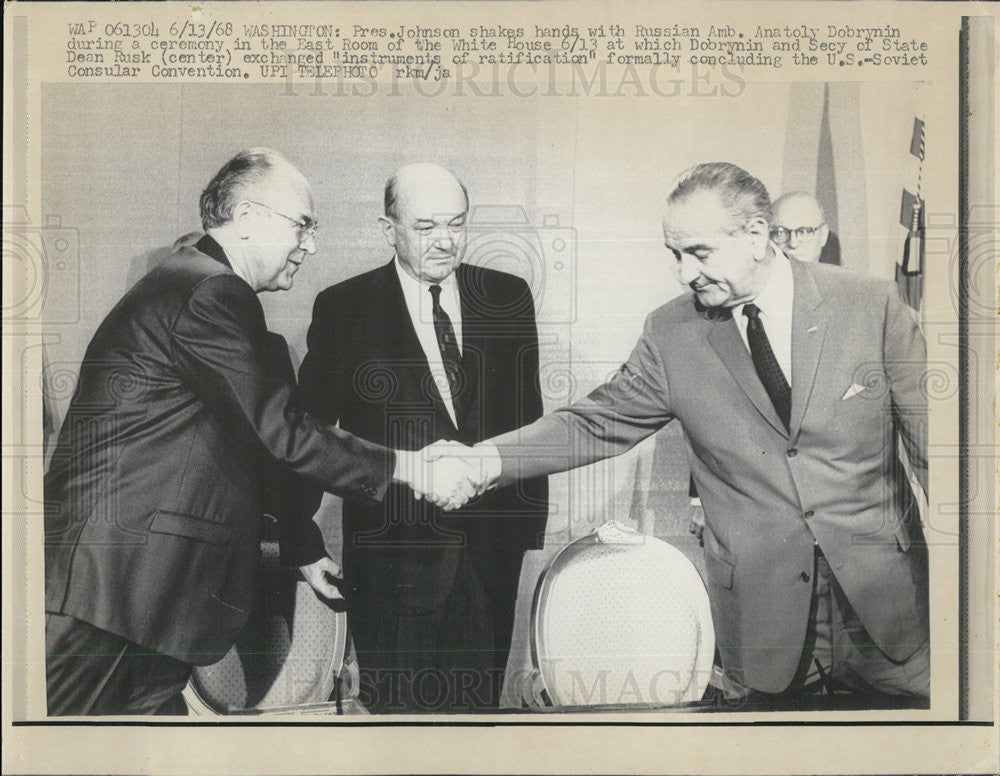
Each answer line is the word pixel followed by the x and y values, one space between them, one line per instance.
pixel 620 620
pixel 293 655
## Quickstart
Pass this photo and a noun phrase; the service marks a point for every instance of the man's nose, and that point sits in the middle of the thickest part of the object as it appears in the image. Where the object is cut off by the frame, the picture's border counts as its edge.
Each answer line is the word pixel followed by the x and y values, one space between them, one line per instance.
pixel 443 238
pixel 689 269
pixel 793 239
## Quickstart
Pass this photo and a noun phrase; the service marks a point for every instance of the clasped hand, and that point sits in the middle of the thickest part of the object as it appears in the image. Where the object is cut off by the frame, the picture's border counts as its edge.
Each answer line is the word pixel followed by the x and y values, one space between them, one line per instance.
pixel 448 474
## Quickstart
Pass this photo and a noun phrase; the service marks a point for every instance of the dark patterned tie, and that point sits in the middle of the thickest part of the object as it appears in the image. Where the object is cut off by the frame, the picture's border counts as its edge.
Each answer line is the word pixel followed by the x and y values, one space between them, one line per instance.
pixel 448 344
pixel 767 365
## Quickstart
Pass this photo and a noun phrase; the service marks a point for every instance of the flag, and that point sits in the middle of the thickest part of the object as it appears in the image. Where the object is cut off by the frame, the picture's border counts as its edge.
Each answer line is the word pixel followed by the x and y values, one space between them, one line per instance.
pixel 917 141
pixel 910 271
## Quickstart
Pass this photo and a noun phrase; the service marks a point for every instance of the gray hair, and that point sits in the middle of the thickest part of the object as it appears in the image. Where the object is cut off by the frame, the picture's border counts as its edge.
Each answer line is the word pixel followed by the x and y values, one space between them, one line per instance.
pixel 244 171
pixel 744 196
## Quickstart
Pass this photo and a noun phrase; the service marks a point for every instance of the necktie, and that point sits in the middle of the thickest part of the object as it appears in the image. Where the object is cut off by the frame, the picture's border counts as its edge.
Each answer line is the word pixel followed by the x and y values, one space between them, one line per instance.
pixel 448 344
pixel 767 365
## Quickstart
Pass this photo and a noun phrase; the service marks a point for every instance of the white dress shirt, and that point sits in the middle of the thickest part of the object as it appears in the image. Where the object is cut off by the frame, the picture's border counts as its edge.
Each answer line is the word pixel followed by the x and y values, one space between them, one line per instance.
pixel 420 304
pixel 775 303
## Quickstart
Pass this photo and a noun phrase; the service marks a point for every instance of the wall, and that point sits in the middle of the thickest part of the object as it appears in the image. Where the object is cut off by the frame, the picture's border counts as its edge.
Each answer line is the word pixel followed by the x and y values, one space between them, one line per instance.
pixel 124 166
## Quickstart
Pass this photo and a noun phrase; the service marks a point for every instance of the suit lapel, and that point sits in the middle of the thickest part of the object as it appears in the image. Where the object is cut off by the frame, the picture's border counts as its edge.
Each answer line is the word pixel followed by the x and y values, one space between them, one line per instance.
pixel 474 345
pixel 808 332
pixel 725 338
pixel 401 327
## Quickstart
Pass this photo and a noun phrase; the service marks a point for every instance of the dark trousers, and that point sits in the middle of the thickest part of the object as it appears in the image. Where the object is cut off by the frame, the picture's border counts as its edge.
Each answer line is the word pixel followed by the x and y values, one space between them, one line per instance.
pixel 89 671
pixel 448 661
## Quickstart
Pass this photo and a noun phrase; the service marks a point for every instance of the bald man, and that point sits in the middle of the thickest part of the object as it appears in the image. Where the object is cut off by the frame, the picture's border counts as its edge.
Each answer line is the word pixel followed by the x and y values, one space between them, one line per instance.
pixel 184 406
pixel 799 226
pixel 420 349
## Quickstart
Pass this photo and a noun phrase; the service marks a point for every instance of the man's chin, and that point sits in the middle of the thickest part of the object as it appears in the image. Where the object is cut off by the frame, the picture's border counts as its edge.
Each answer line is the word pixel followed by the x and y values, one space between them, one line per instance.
pixel 711 297
pixel 287 278
pixel 436 270
pixel 280 284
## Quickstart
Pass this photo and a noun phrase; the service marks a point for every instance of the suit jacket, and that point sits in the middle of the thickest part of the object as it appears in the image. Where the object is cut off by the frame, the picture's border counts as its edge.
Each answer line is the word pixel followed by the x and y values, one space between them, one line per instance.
pixel 290 499
pixel 769 494
pixel 366 369
pixel 156 488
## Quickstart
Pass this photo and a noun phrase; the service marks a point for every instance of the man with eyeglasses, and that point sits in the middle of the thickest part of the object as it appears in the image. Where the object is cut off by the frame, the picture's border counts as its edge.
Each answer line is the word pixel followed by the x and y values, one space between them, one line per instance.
pixel 799 226
pixel 792 381
pixel 422 348
pixel 184 408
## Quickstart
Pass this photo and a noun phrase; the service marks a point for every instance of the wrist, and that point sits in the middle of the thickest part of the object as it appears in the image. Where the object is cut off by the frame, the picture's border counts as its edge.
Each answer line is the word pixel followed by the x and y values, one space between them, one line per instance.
pixel 491 463
pixel 400 467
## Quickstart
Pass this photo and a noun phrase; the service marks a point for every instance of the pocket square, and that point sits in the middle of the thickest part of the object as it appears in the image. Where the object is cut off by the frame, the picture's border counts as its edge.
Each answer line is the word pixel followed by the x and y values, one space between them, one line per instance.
pixel 852 391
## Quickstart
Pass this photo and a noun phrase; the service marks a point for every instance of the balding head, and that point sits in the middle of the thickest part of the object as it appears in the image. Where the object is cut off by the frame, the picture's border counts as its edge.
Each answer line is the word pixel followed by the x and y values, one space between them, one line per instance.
pixel 259 174
pixel 799 226
pixel 419 177
pixel 425 213
pixel 259 208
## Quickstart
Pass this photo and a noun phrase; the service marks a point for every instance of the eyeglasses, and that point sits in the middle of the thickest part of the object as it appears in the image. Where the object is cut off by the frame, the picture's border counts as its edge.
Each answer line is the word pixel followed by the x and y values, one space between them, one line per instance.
pixel 307 228
pixel 781 235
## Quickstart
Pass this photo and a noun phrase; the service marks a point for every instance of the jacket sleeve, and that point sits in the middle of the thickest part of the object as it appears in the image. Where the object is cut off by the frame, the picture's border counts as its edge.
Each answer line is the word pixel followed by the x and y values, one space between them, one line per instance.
pixel 534 492
pixel 610 421
pixel 218 344
pixel 289 498
pixel 905 356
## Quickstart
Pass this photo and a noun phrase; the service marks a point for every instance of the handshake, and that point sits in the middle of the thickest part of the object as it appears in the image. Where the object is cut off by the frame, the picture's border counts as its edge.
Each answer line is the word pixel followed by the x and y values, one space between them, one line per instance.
pixel 449 474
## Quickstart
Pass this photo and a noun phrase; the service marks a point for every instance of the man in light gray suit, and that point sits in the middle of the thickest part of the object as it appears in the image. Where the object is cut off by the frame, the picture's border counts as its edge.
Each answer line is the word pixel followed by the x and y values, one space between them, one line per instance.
pixel 793 382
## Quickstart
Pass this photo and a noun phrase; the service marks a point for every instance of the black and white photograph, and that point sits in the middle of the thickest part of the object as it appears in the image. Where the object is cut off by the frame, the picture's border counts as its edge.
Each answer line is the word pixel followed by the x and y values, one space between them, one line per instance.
pixel 499 376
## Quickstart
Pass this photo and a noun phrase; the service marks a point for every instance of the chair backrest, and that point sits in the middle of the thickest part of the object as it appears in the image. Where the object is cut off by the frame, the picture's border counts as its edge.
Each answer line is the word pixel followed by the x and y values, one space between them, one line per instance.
pixel 622 619
pixel 286 658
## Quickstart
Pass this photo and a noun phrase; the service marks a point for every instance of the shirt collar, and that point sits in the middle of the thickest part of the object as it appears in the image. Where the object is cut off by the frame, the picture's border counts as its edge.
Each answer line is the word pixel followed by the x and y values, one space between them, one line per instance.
pixel 413 287
pixel 208 245
pixel 776 296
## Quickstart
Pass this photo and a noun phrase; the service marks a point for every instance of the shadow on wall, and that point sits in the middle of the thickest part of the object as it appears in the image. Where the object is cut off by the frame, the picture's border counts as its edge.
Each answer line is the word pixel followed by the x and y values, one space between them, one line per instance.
pixel 831 251
pixel 143 263
pixel 140 265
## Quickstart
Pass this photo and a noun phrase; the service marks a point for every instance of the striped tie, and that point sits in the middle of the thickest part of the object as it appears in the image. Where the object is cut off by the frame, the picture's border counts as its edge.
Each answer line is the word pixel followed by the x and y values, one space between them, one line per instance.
pixel 448 344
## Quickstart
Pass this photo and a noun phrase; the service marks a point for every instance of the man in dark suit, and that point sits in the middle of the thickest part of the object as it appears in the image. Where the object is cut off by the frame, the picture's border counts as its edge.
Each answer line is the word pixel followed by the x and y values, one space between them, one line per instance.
pixel 793 381
pixel 420 349
pixel 156 487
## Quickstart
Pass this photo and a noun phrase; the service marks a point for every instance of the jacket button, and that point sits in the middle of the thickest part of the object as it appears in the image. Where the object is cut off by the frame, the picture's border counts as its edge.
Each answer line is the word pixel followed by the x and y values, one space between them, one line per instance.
pixel 805 576
pixel 808 514
pixel 792 452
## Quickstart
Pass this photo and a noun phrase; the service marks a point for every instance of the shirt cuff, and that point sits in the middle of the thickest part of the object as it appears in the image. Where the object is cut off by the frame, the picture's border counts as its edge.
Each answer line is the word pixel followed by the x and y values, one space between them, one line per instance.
pixel 491 462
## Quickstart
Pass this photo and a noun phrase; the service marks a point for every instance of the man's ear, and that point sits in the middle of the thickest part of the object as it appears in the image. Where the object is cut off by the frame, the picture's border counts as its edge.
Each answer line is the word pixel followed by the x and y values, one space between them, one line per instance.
pixel 242 214
pixel 388 232
pixel 759 233
pixel 824 235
